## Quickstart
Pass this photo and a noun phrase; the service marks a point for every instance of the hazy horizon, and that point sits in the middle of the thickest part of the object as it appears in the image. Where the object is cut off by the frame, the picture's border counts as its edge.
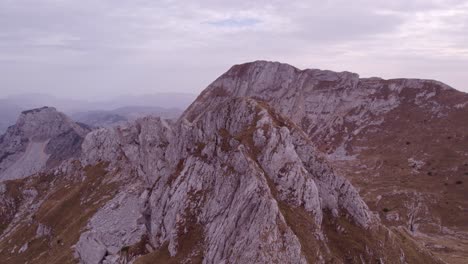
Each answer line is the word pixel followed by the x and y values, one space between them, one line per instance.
pixel 90 99
pixel 162 103
pixel 100 49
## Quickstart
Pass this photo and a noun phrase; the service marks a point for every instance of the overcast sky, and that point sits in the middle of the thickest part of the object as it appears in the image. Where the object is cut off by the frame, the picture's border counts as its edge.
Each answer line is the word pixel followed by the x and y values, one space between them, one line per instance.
pixel 92 49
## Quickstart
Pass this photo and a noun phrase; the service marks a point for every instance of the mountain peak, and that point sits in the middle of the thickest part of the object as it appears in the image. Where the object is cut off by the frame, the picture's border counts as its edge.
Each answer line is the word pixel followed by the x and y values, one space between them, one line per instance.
pixel 38 110
pixel 250 69
pixel 45 122
pixel 286 87
pixel 270 81
pixel 42 137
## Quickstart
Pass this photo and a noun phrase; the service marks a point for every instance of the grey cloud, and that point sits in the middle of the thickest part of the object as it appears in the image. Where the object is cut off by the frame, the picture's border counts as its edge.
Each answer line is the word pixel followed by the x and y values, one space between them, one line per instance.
pixel 109 47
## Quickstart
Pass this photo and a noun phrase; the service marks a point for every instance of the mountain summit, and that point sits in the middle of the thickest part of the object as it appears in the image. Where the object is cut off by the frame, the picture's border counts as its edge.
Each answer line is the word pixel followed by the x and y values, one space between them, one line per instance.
pixel 41 138
pixel 269 164
pixel 401 142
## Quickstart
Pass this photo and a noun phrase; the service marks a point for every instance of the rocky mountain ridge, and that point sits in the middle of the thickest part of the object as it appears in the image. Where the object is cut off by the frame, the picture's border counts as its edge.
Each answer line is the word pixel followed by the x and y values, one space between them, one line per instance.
pixel 212 175
pixel 259 169
pixel 376 132
pixel 97 113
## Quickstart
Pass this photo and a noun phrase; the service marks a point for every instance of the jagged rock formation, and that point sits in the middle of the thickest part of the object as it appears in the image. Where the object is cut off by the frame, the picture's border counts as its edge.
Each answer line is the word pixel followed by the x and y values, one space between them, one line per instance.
pixel 251 173
pixel 219 180
pixel 403 142
pixel 41 138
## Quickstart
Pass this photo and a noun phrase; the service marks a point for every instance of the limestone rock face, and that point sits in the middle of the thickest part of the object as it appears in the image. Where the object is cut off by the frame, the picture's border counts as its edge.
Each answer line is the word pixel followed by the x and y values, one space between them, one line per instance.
pixel 253 172
pixel 111 229
pixel 224 188
pixel 330 106
pixel 40 138
pixel 221 188
pixel 369 129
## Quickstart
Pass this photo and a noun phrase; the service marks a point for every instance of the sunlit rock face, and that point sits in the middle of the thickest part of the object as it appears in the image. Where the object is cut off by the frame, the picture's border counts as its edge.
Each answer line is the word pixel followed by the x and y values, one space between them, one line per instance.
pixel 261 168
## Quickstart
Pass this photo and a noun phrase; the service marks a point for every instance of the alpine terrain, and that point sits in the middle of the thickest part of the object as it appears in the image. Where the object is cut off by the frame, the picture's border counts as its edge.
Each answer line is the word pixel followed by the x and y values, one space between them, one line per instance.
pixel 270 164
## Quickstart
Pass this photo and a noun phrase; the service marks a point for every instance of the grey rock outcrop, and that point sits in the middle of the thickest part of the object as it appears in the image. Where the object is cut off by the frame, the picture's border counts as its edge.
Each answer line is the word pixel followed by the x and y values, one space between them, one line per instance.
pixel 219 181
pixel 41 138
pixel 329 106
pixel 368 128
pixel 112 228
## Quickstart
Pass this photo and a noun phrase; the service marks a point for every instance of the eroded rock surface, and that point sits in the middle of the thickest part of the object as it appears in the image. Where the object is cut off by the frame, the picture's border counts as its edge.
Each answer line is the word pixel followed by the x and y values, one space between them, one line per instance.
pixel 257 170
pixel 370 128
pixel 225 188
pixel 41 138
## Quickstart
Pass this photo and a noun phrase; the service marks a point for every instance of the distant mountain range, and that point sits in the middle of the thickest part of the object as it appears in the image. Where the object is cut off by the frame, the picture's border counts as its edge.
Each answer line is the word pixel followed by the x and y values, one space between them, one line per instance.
pixel 97 113
pixel 104 118
pixel 8 114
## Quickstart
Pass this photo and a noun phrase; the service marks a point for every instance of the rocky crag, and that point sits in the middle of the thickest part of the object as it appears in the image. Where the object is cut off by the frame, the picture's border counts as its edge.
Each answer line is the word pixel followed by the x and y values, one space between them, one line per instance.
pixel 402 142
pixel 259 169
pixel 41 139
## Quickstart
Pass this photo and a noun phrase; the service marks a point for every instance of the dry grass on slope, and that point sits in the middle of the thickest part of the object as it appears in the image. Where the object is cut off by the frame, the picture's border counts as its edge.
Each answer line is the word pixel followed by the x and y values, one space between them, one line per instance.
pixel 190 239
pixel 66 211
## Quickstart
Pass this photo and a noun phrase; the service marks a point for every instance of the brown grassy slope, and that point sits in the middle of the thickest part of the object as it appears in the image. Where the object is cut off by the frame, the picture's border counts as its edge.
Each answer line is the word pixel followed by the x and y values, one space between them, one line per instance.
pixel 427 198
pixel 66 210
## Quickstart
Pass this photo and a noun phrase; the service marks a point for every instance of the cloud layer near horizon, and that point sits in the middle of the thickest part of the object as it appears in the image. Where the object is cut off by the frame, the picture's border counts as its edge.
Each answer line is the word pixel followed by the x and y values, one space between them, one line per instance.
pixel 99 48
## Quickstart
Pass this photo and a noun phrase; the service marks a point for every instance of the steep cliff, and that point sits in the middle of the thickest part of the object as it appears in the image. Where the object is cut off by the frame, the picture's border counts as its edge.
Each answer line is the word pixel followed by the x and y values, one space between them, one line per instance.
pixel 402 142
